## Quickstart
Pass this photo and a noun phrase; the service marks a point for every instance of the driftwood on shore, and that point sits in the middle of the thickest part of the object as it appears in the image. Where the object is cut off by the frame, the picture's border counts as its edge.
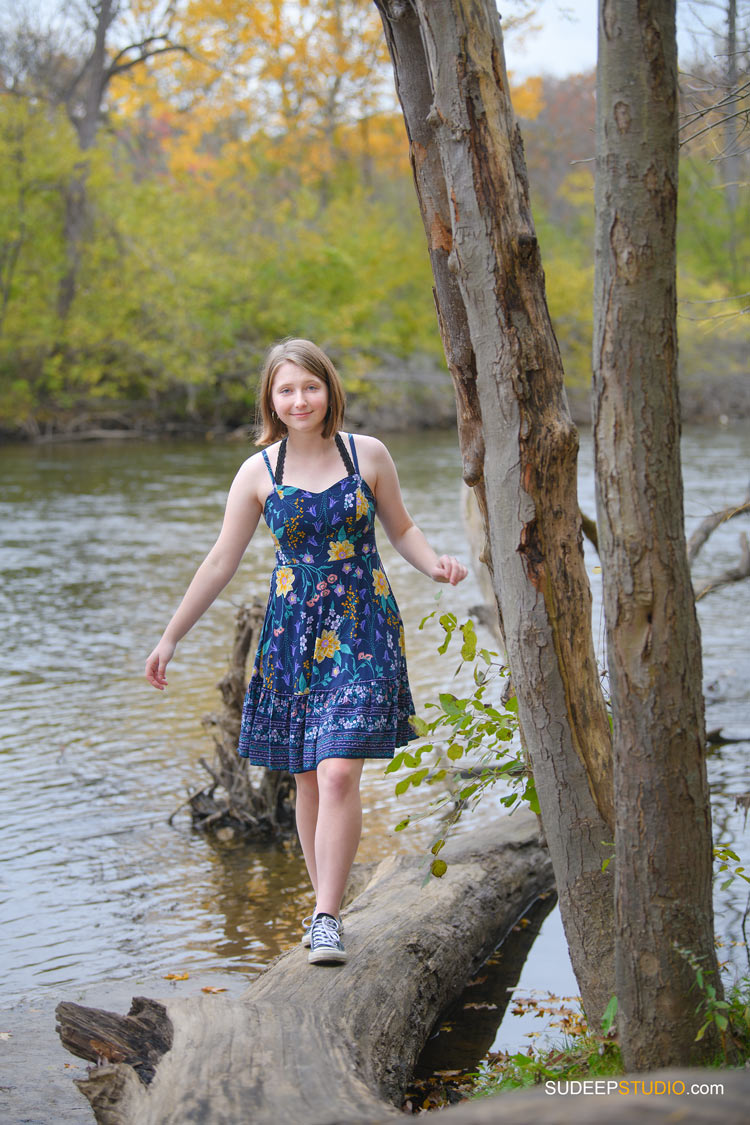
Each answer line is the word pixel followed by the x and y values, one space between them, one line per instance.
pixel 320 1044
pixel 242 800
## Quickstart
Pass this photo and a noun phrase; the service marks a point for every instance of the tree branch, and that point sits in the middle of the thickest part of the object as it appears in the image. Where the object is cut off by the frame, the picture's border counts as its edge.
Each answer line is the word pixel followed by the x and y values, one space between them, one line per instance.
pixel 137 47
pixel 728 99
pixel 715 124
pixel 734 574
pixel 707 526
pixel 122 67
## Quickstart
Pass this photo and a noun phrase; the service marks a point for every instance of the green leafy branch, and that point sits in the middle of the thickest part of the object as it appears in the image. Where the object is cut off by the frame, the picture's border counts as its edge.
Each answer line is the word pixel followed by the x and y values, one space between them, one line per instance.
pixel 725 857
pixel 472 728
pixel 713 1010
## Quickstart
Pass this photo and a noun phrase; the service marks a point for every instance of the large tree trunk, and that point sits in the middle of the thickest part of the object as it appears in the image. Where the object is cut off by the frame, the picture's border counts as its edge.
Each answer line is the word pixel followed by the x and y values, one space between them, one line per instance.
pixel 321 1044
pixel 663 831
pixel 516 435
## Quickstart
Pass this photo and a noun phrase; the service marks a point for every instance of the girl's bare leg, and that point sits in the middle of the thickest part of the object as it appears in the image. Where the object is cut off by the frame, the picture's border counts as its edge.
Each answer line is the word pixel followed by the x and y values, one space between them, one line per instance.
pixel 306 812
pixel 338 829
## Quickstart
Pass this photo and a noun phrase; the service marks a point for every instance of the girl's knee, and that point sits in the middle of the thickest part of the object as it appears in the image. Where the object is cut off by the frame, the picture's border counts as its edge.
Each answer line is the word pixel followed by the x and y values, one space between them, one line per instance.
pixel 306 783
pixel 337 777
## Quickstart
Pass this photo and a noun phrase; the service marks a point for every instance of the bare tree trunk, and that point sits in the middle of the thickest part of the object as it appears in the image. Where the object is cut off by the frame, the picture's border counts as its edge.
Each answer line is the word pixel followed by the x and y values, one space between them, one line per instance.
pixel 84 109
pixel 75 225
pixel 731 126
pixel 516 435
pixel 84 100
pixel 732 170
pixel 663 832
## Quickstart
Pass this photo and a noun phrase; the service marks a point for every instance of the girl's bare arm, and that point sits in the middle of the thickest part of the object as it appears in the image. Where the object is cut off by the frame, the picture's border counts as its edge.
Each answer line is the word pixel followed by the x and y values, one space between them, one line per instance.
pixel 406 537
pixel 243 510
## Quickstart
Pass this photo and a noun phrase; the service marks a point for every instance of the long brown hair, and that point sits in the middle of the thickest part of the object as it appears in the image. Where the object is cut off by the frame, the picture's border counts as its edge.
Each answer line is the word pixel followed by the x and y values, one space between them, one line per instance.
pixel 311 358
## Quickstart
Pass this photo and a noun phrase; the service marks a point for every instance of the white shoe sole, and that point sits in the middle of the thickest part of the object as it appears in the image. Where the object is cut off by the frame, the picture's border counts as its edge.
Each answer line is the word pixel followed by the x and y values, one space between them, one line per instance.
pixel 327 955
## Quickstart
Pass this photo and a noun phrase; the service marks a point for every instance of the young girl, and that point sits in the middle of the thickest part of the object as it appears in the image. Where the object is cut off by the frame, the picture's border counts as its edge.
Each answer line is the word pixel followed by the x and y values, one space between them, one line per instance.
pixel 329 687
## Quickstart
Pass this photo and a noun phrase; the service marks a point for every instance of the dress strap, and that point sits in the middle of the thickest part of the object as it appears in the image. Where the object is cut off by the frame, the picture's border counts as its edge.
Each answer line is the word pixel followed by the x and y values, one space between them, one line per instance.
pixel 354 454
pixel 345 456
pixel 268 466
pixel 281 458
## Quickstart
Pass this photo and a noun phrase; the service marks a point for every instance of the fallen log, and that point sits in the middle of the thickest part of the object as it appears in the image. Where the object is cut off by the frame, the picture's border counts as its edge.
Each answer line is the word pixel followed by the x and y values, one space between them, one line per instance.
pixel 320 1044
pixel 663 1096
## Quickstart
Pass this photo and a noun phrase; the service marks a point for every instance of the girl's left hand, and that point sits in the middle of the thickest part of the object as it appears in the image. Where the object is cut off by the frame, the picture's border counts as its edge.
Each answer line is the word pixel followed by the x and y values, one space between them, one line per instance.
pixel 449 569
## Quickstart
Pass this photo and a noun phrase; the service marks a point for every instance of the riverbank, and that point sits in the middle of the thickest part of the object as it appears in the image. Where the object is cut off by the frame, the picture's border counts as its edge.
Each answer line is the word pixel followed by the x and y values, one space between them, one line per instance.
pixel 418 396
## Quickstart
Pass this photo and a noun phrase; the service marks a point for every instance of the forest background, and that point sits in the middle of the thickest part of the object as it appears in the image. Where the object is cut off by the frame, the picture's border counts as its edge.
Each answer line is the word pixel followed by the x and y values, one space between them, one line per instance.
pixel 181 185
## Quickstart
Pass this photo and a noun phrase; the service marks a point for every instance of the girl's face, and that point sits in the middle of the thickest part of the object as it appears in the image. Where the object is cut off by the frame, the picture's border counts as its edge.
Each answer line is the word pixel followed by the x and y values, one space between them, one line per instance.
pixel 299 398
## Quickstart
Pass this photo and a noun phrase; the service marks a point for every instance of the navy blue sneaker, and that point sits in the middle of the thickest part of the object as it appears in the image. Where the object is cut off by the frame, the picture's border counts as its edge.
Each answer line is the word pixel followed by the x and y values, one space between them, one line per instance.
pixel 326 946
pixel 307 926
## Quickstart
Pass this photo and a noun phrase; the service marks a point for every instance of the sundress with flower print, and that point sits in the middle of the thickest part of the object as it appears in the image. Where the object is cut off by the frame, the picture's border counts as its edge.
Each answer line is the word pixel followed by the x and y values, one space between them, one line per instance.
pixel 329 679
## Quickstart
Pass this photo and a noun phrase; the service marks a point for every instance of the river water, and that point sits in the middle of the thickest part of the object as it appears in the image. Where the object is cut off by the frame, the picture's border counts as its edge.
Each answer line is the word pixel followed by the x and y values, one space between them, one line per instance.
pixel 98 543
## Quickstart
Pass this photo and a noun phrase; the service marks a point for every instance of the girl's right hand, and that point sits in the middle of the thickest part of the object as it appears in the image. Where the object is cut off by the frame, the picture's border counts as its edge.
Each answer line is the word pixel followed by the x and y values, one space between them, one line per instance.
pixel 156 665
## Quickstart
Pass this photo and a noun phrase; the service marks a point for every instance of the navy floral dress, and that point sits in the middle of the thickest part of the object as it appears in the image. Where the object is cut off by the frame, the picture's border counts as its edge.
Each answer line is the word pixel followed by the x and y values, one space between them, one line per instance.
pixel 329 679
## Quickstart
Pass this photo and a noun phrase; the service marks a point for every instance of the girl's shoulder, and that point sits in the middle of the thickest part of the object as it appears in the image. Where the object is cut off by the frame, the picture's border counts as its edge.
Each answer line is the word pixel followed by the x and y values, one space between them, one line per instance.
pixel 256 462
pixel 367 443
pixel 375 462
pixel 253 471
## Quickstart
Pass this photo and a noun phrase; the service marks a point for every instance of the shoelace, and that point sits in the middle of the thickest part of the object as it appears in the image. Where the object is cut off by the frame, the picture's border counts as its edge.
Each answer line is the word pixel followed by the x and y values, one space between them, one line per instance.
pixel 325 930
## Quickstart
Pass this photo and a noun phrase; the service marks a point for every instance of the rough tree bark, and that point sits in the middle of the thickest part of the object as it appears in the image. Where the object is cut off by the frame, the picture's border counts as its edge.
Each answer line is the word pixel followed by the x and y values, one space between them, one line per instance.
pixel 663 831
pixel 516 435
pixel 329 1044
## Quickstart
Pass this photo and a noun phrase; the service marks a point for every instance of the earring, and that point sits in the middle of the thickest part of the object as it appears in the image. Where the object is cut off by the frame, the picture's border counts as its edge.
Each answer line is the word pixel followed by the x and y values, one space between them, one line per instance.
pixel 274 415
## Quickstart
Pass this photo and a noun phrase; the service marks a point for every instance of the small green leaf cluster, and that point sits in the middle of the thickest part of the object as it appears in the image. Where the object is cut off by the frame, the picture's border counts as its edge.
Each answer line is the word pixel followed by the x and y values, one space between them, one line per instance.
pixel 725 857
pixel 714 1011
pixel 469 728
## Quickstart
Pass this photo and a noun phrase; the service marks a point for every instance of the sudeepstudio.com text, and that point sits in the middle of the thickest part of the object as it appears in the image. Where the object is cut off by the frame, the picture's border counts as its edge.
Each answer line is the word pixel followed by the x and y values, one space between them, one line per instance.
pixel 656 1087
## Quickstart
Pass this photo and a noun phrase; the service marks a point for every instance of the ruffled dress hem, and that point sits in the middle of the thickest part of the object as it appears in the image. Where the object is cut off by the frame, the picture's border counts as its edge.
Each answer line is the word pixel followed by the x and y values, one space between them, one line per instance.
pixel 296 732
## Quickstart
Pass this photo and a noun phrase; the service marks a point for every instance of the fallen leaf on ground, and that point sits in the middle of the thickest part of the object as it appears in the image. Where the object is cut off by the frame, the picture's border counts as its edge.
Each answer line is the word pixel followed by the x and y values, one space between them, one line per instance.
pixel 210 988
pixel 176 976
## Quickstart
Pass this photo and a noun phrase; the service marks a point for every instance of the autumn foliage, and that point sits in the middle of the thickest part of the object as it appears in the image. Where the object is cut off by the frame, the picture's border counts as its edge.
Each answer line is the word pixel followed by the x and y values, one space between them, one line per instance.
pixel 249 179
